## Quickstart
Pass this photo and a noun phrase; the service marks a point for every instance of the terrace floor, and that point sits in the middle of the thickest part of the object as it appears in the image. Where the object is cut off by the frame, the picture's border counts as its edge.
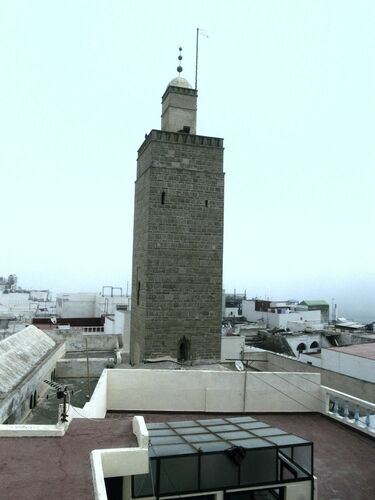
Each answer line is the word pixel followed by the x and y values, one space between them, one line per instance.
pixel 33 468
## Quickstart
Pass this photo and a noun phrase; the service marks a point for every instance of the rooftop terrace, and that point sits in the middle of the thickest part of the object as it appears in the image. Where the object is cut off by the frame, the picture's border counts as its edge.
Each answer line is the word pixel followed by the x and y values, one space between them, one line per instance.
pixel 33 467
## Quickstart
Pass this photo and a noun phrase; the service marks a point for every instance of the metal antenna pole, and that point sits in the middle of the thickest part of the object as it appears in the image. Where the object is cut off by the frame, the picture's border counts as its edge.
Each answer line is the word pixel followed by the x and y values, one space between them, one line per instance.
pixel 64 414
pixel 88 370
pixel 196 60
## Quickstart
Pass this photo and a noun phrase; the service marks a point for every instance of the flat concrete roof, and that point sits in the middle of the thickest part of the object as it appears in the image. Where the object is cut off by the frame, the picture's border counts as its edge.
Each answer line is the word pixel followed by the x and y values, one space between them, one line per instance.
pixel 366 350
pixel 38 468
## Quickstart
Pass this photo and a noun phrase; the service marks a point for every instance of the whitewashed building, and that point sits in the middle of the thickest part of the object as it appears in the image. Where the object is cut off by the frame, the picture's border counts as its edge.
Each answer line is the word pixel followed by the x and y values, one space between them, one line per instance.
pixel 356 361
pixel 88 305
pixel 282 315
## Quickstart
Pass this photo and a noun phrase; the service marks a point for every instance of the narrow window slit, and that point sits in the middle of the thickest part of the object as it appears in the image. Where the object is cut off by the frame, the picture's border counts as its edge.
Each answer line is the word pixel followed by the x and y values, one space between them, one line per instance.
pixel 138 292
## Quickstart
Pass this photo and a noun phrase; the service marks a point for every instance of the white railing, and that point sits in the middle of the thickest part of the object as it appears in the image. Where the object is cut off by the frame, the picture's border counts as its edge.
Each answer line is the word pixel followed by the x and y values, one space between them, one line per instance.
pixel 93 329
pixel 349 410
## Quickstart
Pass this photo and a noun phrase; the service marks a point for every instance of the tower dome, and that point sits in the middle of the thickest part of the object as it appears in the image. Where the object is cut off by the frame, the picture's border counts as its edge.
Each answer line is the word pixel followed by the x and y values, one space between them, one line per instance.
pixel 180 82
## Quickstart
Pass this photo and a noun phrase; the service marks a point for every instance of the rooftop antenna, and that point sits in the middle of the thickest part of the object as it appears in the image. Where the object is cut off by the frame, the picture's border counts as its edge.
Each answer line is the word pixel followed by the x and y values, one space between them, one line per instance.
pixel 179 67
pixel 199 32
pixel 61 393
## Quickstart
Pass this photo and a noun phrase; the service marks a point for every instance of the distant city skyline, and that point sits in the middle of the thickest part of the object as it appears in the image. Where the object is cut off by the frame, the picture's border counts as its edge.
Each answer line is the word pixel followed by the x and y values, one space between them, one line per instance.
pixel 289 85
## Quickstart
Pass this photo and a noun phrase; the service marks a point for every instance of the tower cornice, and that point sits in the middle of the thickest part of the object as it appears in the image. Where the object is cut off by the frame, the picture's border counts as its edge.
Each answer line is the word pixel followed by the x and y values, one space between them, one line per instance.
pixel 181 138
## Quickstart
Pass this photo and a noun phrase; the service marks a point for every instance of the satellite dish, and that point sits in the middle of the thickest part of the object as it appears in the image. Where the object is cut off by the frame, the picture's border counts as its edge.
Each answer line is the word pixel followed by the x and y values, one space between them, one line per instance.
pixel 239 365
pixel 53 320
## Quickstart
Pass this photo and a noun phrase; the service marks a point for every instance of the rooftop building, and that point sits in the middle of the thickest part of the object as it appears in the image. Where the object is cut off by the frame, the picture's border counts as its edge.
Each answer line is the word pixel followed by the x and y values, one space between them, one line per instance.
pixel 26 359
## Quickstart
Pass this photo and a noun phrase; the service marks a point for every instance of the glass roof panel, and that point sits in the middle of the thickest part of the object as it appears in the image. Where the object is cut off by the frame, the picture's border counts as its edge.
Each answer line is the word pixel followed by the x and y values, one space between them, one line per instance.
pixel 212 446
pixel 156 425
pixel 235 435
pixel 286 440
pixel 173 449
pixel 212 421
pixel 251 443
pixel 192 430
pixel 238 420
pixel 268 431
pixel 156 440
pixel 183 423
pixel 222 428
pixel 161 432
pixel 197 438
pixel 252 425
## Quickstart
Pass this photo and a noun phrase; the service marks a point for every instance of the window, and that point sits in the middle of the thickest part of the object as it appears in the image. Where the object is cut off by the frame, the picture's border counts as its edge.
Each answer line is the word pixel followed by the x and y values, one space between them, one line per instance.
pixel 183 350
pixel 206 203
pixel 138 292
pixel 301 347
pixel 163 198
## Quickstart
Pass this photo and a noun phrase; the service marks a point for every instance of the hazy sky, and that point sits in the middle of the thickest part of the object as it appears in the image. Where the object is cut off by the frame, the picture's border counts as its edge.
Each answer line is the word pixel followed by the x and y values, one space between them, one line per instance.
pixel 289 85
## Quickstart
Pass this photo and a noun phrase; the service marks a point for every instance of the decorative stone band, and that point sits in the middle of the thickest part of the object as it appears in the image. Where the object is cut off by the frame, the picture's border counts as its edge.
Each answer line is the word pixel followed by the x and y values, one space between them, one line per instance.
pixel 180 138
pixel 179 90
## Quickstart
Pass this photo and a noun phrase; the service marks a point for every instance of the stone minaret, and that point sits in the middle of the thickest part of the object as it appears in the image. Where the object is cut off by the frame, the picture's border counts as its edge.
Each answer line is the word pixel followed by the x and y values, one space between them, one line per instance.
pixel 178 236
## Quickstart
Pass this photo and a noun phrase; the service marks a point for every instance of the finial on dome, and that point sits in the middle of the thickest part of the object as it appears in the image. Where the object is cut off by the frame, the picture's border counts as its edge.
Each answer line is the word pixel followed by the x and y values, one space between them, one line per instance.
pixel 179 67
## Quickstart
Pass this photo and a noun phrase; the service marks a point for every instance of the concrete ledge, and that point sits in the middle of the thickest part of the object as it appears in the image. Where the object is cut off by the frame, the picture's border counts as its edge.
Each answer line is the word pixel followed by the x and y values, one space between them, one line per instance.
pixel 124 461
pixel 100 492
pixel 57 430
pixel 140 430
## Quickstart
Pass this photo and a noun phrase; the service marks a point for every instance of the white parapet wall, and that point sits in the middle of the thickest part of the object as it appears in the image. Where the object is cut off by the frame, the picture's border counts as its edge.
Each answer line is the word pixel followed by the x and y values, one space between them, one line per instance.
pixel 232 347
pixel 97 406
pixel 212 391
pixel 124 462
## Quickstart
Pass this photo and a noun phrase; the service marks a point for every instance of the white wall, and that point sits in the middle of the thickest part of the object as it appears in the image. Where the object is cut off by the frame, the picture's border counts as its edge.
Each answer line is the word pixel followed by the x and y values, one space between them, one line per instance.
pixel 87 305
pixel 119 323
pixel 311 360
pixel 232 347
pixel 75 305
pixel 107 305
pixel 275 320
pixel 212 391
pixel 97 406
pixel 307 339
pixel 248 310
pixel 231 311
pixel 347 364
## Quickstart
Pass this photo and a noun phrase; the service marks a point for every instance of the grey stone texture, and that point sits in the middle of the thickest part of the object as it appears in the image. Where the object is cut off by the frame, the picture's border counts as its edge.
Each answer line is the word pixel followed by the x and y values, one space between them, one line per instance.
pixel 179 109
pixel 177 247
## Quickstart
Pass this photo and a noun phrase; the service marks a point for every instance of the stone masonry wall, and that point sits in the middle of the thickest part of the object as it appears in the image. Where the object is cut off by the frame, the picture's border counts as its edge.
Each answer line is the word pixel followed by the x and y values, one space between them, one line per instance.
pixel 178 247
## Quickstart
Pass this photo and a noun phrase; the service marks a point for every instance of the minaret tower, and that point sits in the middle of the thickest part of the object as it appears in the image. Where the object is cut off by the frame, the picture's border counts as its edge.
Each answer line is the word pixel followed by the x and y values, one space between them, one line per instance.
pixel 178 236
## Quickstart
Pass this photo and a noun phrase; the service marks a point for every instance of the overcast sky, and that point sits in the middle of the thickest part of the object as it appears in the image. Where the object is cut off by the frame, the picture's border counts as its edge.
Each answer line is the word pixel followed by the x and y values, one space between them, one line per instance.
pixel 289 85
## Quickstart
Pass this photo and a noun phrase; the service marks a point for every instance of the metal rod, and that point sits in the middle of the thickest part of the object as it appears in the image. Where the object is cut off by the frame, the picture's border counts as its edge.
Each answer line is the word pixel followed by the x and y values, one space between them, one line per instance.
pixel 64 414
pixel 88 370
pixel 196 60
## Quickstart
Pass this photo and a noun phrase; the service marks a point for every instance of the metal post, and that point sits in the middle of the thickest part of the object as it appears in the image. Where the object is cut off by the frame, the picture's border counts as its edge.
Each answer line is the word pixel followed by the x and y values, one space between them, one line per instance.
pixel 196 60
pixel 64 414
pixel 88 371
